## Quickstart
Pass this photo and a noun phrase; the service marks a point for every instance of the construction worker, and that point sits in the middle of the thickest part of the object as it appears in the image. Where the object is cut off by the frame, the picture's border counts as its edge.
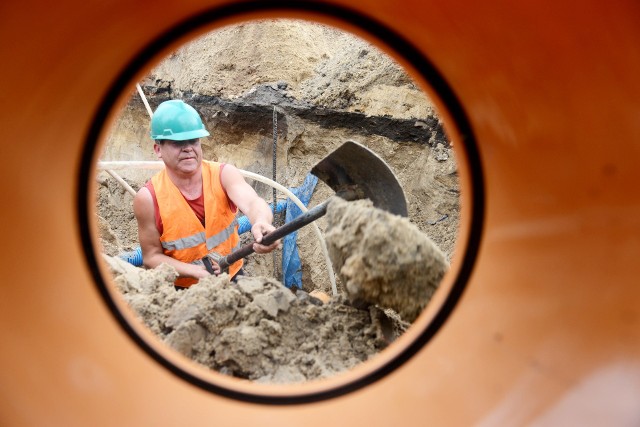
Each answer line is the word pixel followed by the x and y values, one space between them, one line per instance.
pixel 187 212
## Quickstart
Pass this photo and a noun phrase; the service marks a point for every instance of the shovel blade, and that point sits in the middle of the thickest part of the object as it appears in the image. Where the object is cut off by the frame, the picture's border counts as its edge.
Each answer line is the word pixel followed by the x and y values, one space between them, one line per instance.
pixel 354 165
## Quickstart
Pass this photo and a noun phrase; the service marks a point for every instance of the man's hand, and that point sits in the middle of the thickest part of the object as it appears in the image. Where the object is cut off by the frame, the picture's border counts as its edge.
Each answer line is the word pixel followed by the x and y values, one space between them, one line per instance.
pixel 198 271
pixel 212 266
pixel 259 230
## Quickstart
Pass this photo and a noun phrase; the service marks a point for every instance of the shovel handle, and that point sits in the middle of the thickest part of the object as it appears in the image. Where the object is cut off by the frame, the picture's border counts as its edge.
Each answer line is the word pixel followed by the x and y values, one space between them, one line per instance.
pixel 299 222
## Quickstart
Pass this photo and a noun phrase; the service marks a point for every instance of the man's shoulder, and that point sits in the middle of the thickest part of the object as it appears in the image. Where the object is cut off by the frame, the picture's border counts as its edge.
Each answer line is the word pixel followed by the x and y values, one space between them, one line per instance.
pixel 145 191
pixel 143 198
pixel 212 164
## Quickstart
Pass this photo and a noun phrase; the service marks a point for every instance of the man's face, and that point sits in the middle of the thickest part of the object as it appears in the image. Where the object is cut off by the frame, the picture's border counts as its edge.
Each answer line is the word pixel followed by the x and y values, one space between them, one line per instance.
pixel 180 156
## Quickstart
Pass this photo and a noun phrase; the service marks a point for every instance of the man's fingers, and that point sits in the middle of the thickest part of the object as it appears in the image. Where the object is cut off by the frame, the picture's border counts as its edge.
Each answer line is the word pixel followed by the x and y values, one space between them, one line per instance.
pixel 260 249
pixel 260 230
pixel 263 249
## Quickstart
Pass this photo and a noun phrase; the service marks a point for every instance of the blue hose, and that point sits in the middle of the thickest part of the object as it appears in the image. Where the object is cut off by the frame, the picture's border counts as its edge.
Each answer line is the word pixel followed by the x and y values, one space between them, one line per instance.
pixel 134 257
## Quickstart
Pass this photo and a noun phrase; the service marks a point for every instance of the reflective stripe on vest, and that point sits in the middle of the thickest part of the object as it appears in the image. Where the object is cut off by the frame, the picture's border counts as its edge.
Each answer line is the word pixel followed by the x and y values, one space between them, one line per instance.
pixel 199 238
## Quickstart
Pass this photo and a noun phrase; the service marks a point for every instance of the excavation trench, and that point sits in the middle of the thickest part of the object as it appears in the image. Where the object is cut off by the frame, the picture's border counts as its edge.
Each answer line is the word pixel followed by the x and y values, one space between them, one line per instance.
pixel 259 329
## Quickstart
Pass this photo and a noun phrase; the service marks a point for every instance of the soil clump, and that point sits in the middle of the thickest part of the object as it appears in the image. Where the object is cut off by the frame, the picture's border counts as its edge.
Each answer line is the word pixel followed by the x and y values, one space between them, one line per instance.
pixel 382 259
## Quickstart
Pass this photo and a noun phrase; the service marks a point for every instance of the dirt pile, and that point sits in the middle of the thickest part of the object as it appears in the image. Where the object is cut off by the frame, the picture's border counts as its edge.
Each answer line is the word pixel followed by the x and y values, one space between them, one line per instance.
pixel 256 328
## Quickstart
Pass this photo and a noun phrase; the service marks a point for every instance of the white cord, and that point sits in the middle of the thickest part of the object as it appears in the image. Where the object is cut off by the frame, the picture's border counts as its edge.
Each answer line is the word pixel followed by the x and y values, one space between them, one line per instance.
pixel 144 100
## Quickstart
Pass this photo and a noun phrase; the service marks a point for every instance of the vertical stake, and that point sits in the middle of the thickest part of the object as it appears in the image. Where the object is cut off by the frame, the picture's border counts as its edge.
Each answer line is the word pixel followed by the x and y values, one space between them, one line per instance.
pixel 275 200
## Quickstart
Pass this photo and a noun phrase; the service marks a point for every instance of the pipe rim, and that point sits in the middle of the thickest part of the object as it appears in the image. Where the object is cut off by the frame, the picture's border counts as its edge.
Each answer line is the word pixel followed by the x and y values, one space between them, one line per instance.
pixel 401 46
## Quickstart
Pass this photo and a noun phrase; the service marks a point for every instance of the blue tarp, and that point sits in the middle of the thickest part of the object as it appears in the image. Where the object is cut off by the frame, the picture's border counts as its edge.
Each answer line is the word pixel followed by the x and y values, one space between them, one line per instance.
pixel 291 267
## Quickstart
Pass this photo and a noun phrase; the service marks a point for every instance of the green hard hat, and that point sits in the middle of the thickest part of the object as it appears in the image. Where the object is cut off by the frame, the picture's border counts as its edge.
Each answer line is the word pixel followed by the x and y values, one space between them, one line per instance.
pixel 176 121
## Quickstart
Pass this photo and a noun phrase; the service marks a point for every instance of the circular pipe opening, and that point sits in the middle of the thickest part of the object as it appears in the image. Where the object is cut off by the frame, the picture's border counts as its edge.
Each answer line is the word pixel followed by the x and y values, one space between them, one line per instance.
pixel 468 240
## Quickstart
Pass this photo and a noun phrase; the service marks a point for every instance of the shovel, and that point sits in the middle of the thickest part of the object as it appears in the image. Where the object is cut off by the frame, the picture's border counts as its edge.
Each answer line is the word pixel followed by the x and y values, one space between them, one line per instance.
pixel 353 172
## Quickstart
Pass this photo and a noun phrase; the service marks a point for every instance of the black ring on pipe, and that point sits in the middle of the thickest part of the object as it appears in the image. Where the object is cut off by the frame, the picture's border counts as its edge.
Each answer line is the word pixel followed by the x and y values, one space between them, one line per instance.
pixel 413 55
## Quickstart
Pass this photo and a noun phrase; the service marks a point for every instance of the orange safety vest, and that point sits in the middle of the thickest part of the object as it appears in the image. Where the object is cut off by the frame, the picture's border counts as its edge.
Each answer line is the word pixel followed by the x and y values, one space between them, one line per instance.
pixel 184 237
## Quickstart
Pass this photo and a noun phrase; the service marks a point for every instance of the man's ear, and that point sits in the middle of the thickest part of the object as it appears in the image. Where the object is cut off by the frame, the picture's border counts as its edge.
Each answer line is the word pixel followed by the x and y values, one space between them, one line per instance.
pixel 156 149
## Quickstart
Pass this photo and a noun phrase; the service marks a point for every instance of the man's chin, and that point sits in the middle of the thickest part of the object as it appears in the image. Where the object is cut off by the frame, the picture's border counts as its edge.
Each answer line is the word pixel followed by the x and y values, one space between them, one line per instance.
pixel 188 165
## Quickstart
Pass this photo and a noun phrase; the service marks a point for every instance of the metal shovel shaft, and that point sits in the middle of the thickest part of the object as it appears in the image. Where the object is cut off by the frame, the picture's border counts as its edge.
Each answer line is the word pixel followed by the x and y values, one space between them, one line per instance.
pixel 297 223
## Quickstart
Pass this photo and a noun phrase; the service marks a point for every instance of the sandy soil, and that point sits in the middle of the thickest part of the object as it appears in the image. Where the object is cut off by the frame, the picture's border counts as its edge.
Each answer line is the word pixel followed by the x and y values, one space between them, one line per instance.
pixel 256 328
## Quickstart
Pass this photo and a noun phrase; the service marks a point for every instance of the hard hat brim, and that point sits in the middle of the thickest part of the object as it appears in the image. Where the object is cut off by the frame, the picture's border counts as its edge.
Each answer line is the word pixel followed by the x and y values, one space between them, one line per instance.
pixel 182 136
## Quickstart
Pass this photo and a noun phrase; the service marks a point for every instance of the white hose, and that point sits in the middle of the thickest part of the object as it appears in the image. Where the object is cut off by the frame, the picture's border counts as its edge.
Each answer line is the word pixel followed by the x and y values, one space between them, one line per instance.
pixel 122 182
pixel 144 100
pixel 134 164
pixel 303 208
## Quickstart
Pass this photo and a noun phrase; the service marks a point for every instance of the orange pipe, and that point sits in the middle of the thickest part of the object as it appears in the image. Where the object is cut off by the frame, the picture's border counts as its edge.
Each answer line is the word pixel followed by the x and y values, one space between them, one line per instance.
pixel 547 329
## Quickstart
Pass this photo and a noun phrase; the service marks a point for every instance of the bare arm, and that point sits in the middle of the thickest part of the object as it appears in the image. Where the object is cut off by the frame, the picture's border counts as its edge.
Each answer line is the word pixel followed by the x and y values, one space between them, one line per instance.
pixel 252 205
pixel 149 237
